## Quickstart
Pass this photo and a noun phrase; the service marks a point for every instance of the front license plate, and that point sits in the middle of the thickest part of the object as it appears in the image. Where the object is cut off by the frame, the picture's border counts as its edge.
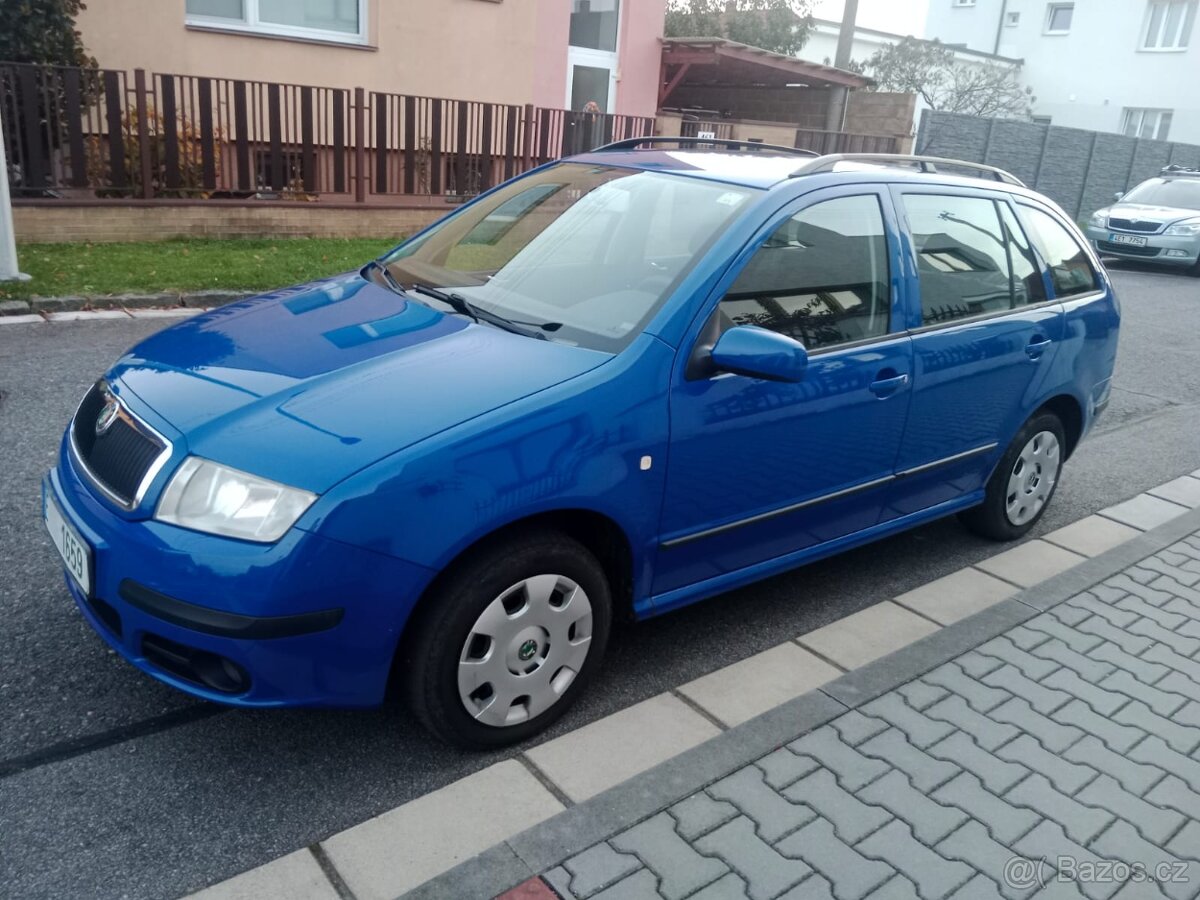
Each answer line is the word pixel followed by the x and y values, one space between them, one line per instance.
pixel 1130 239
pixel 74 550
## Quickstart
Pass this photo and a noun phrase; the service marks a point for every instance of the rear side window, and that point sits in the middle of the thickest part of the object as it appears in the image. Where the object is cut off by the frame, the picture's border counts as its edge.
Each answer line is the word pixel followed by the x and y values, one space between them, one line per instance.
pixel 1028 286
pixel 821 278
pixel 1071 271
pixel 972 259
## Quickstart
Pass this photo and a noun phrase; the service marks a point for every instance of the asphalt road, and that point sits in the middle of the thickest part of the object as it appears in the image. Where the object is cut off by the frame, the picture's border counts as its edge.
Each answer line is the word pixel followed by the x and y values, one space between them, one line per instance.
pixel 113 785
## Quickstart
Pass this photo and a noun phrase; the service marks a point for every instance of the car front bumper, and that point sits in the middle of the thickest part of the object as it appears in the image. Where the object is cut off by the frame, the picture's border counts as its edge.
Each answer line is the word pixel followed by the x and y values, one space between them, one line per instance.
pixel 306 621
pixel 1160 248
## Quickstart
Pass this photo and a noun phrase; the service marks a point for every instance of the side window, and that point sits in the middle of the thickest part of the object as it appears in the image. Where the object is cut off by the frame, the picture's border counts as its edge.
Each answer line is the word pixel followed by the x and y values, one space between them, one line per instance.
pixel 1028 286
pixel 1071 272
pixel 821 278
pixel 969 261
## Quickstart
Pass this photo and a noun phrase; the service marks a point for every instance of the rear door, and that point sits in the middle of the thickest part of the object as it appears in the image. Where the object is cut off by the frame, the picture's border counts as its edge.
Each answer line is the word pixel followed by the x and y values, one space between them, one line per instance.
pixel 1084 363
pixel 985 335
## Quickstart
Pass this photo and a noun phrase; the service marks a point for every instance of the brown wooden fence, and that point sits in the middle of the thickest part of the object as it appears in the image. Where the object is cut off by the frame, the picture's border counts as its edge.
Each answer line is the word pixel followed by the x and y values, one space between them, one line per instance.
pixel 845 142
pixel 74 133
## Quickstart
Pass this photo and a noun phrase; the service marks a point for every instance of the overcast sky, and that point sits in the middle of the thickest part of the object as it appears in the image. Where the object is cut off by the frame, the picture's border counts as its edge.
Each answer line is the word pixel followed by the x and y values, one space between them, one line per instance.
pixel 897 16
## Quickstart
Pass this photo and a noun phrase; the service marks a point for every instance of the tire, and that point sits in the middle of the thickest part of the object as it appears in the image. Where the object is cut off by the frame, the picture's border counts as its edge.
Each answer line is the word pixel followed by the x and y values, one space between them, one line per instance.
pixel 507 640
pixel 1023 482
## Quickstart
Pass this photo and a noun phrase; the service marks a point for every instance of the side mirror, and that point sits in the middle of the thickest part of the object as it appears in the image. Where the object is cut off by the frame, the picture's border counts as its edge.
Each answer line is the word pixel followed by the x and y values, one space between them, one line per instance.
pixel 1118 195
pixel 758 353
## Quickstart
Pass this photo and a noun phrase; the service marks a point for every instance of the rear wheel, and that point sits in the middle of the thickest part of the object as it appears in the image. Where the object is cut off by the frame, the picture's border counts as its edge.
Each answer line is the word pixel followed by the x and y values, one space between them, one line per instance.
pixel 508 640
pixel 1023 483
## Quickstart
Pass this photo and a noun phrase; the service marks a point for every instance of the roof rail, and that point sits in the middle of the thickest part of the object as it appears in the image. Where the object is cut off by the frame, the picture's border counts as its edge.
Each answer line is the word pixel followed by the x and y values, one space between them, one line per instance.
pixel 1178 170
pixel 923 163
pixel 634 143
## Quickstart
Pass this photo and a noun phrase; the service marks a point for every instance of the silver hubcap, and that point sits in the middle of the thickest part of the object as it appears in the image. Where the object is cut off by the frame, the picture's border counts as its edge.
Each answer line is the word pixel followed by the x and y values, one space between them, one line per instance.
pixel 525 650
pixel 1033 477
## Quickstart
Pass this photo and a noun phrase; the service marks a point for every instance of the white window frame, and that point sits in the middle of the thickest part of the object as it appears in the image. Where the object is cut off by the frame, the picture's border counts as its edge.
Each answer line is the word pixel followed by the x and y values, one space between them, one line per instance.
pixel 253 26
pixel 1139 115
pixel 596 59
pixel 1051 8
pixel 1181 39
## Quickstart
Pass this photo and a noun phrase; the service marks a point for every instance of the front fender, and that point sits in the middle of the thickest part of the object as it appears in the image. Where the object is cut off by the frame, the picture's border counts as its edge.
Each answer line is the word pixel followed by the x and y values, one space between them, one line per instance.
pixel 578 445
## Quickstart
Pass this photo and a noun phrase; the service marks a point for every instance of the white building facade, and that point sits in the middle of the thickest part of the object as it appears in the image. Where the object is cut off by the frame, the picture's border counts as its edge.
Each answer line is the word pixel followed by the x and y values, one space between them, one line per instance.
pixel 821 47
pixel 1125 66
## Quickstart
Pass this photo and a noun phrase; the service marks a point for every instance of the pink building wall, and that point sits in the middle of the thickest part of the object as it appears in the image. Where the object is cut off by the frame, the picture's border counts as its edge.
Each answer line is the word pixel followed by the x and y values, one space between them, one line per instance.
pixel 511 52
pixel 640 56
pixel 550 63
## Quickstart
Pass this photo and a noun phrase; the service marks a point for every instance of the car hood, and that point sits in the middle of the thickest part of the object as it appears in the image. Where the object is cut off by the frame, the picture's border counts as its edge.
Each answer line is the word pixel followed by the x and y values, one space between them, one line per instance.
pixel 1146 212
pixel 310 384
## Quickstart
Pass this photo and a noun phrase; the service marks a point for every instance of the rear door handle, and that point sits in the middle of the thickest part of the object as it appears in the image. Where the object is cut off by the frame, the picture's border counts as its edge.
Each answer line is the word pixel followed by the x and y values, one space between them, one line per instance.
pixel 885 387
pixel 1036 347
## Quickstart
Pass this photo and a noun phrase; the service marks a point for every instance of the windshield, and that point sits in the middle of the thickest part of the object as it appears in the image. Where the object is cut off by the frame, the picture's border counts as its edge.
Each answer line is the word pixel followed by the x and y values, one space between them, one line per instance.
pixel 589 251
pixel 1183 193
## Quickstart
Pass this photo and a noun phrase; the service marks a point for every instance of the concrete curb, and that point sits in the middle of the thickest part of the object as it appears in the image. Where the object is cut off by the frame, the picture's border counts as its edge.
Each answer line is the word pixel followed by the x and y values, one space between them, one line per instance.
pixel 167 299
pixel 537 849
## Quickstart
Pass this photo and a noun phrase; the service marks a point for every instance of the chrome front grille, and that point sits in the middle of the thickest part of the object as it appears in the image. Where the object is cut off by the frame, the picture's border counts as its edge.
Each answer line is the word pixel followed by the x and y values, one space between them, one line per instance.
pixel 1135 226
pixel 119 453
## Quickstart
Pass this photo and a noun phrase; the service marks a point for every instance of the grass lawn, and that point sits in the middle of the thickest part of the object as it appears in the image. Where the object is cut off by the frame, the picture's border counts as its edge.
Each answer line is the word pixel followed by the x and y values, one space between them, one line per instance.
pixel 72 270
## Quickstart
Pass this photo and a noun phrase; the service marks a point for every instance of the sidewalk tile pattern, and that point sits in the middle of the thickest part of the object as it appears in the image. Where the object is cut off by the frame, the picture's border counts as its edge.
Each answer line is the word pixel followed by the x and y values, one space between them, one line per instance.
pixel 1072 742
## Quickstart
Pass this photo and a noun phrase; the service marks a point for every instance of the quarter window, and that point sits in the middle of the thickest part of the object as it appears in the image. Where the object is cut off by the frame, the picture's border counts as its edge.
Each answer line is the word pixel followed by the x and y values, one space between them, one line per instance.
pixel 970 261
pixel 1071 271
pixel 1169 24
pixel 821 278
pixel 1058 17
pixel 330 20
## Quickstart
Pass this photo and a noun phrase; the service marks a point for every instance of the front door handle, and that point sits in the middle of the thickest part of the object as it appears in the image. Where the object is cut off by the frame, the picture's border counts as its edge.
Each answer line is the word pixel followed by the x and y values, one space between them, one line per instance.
pixel 885 387
pixel 1037 346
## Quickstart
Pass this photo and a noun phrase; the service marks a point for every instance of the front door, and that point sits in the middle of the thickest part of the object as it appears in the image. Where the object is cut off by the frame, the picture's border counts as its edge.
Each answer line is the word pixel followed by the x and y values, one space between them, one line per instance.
pixel 761 469
pixel 984 341
pixel 592 56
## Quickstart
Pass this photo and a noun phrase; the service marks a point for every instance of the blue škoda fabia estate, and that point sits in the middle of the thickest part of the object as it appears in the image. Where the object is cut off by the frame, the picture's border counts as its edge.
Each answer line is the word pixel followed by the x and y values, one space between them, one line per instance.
pixel 611 387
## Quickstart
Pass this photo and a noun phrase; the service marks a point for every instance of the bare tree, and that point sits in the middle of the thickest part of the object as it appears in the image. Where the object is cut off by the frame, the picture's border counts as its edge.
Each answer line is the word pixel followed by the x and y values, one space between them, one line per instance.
pixel 933 72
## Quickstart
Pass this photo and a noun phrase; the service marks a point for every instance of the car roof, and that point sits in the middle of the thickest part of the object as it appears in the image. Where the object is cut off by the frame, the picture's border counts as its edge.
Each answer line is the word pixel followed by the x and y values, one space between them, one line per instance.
pixel 1173 172
pixel 757 170
pixel 769 167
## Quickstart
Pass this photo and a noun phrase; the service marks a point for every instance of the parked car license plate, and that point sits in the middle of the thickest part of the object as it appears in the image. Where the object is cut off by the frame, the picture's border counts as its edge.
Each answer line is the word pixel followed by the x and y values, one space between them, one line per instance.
pixel 1131 239
pixel 74 550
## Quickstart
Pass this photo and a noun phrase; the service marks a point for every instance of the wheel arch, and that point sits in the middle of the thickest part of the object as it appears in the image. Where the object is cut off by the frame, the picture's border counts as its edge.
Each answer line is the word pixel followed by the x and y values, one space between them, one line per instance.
pixel 1068 411
pixel 599 533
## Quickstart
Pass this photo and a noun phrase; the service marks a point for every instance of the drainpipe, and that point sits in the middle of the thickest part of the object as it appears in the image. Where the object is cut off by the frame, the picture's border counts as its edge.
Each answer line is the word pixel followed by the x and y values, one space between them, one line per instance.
pixel 835 117
pixel 1000 27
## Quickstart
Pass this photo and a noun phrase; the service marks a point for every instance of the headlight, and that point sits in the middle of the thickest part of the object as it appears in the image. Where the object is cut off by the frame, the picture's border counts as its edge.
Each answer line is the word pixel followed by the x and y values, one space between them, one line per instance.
pixel 1099 219
pixel 206 496
pixel 1189 228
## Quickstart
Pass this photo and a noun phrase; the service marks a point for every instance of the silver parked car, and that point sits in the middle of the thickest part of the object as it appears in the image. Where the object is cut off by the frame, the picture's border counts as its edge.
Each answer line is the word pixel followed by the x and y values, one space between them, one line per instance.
pixel 1158 221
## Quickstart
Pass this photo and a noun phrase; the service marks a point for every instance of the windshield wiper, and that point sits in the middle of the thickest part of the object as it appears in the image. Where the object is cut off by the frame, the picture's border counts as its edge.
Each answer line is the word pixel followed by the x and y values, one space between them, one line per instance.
pixel 461 304
pixel 385 274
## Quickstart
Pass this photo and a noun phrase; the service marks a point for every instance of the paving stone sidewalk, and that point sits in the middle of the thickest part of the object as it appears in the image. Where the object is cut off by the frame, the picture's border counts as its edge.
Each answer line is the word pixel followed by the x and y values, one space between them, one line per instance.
pixel 1058 760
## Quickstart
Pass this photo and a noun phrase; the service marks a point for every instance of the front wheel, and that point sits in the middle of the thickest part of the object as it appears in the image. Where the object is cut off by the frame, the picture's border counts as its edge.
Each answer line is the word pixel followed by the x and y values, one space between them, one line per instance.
pixel 508 640
pixel 1023 483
